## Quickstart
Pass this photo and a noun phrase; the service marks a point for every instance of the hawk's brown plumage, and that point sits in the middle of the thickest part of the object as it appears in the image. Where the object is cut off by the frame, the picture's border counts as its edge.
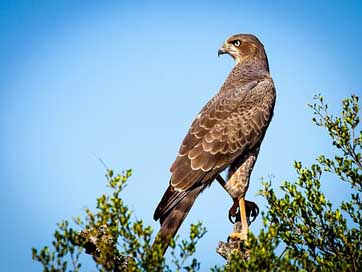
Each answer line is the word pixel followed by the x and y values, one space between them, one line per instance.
pixel 227 133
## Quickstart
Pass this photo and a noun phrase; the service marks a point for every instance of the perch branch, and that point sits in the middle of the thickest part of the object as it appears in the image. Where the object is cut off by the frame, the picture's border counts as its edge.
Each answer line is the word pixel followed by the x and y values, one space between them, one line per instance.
pixel 226 249
pixel 92 241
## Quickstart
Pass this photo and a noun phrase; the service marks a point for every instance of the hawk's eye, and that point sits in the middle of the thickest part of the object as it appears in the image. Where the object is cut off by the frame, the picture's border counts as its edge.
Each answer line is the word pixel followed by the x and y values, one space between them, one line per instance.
pixel 236 43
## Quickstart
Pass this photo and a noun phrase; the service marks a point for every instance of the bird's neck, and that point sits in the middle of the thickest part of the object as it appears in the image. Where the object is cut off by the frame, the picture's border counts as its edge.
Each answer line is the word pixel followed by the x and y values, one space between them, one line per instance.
pixel 248 70
pixel 252 68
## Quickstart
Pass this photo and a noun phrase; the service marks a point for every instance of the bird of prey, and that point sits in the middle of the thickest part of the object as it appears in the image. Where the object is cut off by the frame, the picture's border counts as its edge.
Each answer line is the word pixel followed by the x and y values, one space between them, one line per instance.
pixel 227 133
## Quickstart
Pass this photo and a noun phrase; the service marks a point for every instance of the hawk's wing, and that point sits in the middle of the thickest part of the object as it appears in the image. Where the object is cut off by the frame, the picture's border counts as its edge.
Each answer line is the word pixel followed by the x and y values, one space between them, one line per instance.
pixel 231 122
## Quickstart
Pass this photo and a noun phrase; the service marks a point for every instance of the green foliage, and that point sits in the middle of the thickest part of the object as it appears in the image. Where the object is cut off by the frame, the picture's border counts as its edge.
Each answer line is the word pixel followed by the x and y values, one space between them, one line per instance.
pixel 114 240
pixel 302 230
pixel 63 246
pixel 188 248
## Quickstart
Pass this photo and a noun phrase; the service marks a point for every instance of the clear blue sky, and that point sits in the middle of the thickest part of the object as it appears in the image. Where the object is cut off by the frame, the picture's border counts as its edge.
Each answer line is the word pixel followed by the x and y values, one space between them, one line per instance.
pixel 123 80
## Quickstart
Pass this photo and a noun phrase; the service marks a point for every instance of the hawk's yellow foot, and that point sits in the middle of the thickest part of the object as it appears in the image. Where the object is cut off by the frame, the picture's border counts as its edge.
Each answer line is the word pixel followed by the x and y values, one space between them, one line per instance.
pixel 238 236
pixel 243 219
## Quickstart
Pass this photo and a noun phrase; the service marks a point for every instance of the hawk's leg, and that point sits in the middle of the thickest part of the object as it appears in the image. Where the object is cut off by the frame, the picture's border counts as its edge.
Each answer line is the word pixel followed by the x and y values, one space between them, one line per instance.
pixel 252 210
pixel 234 210
pixel 237 186
pixel 244 223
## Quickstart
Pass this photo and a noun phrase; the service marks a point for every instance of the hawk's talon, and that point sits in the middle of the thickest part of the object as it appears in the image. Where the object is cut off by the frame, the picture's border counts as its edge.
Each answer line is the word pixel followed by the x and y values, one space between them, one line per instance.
pixel 234 212
pixel 230 216
pixel 252 212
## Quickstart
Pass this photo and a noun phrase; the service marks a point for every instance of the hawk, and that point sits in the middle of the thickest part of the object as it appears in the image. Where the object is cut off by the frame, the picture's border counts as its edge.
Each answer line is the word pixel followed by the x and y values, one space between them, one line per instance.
pixel 227 133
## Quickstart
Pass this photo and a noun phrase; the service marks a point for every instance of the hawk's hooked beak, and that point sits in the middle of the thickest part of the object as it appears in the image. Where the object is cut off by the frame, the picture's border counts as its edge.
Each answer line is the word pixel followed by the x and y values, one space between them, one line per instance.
pixel 221 51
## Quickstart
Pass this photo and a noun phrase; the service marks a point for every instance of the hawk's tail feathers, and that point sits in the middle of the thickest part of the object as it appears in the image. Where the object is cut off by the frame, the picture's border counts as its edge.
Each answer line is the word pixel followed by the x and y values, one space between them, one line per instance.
pixel 172 219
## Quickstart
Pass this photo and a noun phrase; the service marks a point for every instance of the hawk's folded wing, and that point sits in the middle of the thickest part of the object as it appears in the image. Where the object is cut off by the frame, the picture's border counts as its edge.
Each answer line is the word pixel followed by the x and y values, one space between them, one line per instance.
pixel 231 122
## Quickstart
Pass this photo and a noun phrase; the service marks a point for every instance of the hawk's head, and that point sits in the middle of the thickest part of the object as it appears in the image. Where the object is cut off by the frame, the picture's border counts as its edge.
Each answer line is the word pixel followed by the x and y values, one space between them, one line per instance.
pixel 242 47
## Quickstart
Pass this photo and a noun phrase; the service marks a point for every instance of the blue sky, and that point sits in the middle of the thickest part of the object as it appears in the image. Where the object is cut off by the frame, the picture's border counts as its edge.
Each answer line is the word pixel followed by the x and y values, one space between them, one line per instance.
pixel 122 81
